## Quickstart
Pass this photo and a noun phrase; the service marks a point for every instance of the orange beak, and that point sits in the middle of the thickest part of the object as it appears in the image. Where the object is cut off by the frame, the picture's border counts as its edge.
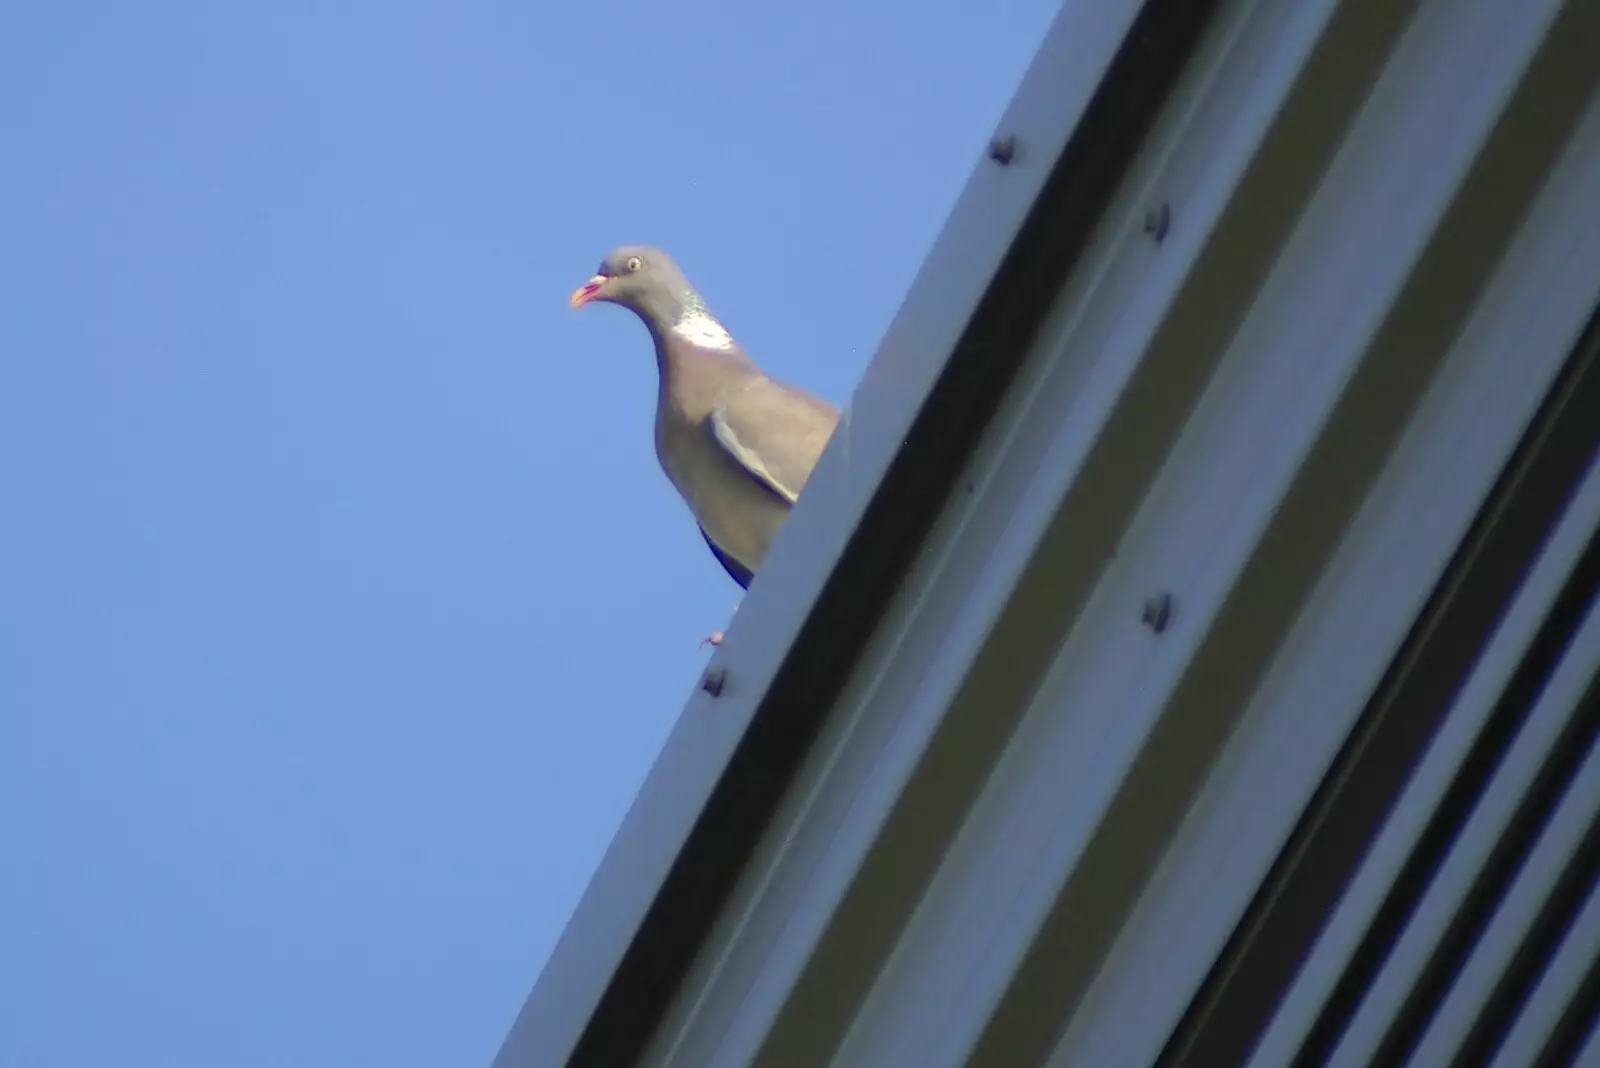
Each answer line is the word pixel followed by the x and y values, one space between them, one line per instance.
pixel 585 293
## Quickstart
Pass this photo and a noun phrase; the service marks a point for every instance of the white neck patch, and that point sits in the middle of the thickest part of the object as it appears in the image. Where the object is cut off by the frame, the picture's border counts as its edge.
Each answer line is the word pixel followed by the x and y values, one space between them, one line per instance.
pixel 699 328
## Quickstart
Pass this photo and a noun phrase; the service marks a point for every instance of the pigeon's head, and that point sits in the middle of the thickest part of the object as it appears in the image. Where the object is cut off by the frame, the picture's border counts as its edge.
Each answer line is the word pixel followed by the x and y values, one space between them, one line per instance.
pixel 638 277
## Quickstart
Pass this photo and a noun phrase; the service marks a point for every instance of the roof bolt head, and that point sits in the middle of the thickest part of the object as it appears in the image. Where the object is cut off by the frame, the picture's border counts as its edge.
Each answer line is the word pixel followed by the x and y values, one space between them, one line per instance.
pixel 1003 149
pixel 1157 612
pixel 1157 221
pixel 713 681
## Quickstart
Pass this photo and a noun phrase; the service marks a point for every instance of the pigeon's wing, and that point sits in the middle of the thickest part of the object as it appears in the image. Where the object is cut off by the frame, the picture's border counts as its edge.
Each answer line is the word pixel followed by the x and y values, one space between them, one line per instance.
pixel 774 432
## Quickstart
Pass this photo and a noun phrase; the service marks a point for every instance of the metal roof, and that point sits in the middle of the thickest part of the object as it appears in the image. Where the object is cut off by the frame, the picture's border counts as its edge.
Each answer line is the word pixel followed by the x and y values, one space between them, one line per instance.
pixel 1182 653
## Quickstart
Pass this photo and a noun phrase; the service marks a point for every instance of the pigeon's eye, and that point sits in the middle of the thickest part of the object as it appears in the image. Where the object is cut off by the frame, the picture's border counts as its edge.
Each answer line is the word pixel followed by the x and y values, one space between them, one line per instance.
pixel 634 263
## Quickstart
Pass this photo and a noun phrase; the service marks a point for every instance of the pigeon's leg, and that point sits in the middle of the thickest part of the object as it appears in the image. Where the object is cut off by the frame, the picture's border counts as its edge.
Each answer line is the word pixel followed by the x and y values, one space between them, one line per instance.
pixel 714 639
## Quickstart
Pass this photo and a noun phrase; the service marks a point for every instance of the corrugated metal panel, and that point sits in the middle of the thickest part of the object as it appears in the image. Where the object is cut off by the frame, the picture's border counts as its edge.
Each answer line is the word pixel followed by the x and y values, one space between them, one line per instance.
pixel 1451 855
pixel 1007 818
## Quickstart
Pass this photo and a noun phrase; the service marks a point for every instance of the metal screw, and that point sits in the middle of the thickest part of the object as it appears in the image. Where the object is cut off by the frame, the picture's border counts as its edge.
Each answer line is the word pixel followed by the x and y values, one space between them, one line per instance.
pixel 1157 612
pixel 712 683
pixel 1003 150
pixel 1157 221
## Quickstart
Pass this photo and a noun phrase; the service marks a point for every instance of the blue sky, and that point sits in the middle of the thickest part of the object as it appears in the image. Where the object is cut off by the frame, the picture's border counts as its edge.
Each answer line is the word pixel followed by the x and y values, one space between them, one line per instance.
pixel 343 606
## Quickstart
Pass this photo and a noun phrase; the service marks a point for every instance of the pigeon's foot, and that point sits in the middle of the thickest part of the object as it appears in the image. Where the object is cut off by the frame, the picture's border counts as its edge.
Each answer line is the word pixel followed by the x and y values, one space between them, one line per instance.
pixel 714 639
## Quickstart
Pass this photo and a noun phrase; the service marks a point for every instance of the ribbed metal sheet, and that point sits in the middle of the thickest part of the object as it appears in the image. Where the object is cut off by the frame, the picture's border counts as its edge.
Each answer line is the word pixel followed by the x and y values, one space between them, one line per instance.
pixel 1446 875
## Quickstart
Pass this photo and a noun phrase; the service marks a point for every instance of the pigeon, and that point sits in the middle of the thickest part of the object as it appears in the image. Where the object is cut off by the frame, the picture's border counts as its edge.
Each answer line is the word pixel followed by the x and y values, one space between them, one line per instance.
pixel 737 445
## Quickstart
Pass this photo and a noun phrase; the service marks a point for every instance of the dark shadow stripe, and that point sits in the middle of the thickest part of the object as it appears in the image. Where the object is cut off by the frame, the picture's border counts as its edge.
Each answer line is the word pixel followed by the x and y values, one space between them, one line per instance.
pixel 1577 1023
pixel 1571 891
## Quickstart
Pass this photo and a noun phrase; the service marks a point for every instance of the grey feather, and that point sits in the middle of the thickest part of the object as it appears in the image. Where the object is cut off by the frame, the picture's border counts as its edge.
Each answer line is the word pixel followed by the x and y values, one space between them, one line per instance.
pixel 775 431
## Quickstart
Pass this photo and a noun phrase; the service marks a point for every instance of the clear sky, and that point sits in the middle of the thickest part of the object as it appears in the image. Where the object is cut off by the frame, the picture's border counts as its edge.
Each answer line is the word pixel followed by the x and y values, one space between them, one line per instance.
pixel 343 606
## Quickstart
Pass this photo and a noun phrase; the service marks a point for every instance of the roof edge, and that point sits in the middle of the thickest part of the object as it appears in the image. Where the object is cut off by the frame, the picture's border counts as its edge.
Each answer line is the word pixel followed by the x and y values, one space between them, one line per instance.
pixel 912 491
